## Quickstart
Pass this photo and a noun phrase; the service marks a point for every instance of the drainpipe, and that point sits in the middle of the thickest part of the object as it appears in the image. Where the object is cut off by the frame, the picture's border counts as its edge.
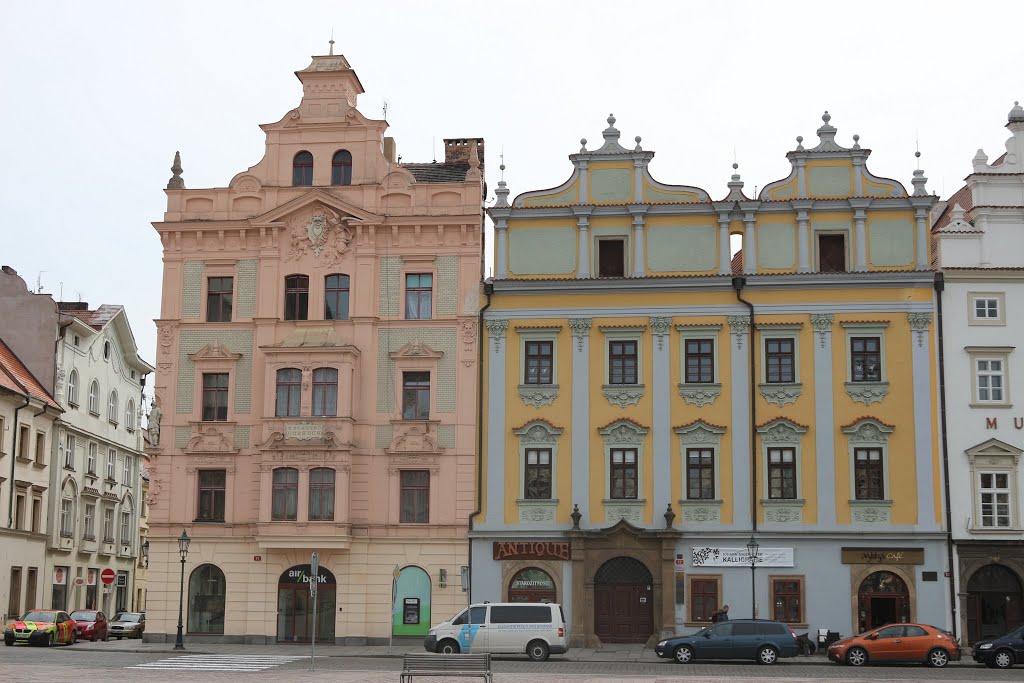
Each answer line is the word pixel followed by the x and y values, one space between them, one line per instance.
pixel 738 283
pixel 14 451
pixel 940 286
pixel 488 291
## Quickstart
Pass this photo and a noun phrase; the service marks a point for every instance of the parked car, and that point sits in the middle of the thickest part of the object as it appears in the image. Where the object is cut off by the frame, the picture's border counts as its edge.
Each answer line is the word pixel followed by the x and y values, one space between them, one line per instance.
pixel 42 627
pixel 127 625
pixel 1002 652
pixel 897 643
pixel 759 639
pixel 537 629
pixel 91 624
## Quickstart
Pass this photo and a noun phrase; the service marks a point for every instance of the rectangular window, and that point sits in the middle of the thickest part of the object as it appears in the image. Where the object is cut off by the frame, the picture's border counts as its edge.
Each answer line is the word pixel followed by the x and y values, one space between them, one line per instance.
pixel 69 451
pixel 703 598
pixel 537 478
pixel 37 514
pixel 539 362
pixel 995 499
pixel 111 463
pixel 414 497
pixel 215 397
pixel 989 376
pixel 336 297
pixel 289 392
pixel 126 470
pixel 19 512
pixel 3 431
pixel 285 495
pixel 325 392
pixel 66 526
pixel 108 525
pixel 986 309
pixel 611 258
pixel 321 494
pixel 700 474
pixel 41 448
pixel 700 361
pixel 14 594
pixel 787 599
pixel 59 594
pixel 418 296
pixel 212 492
pixel 622 362
pixel 415 395
pixel 31 584
pixel 623 473
pixel 90 463
pixel 782 473
pixel 780 361
pixel 89 532
pixel 23 446
pixel 868 474
pixel 832 253
pixel 219 292
pixel 296 297
pixel 126 528
pixel 865 359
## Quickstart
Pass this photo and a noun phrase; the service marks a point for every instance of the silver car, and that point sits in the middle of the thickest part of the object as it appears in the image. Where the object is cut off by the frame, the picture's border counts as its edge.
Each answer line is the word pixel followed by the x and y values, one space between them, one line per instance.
pixel 127 625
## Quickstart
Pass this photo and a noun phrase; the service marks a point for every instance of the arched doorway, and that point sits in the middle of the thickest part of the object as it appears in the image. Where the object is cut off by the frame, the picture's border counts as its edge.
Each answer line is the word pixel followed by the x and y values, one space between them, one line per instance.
pixel 206 591
pixel 532 585
pixel 623 601
pixel 882 599
pixel 993 602
pixel 295 606
pixel 410 614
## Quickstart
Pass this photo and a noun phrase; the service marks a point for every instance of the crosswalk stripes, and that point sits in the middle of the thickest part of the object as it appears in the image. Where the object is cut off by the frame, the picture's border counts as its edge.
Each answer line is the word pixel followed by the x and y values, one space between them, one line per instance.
pixel 250 663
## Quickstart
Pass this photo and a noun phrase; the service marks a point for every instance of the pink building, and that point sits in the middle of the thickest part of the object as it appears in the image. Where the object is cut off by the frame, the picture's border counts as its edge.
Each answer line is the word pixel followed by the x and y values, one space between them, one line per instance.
pixel 316 379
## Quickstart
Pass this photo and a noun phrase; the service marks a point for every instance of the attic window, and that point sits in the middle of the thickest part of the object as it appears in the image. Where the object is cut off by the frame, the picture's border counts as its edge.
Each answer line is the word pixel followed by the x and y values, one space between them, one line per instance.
pixel 302 169
pixel 832 253
pixel 76 340
pixel 611 258
pixel 106 350
pixel 341 168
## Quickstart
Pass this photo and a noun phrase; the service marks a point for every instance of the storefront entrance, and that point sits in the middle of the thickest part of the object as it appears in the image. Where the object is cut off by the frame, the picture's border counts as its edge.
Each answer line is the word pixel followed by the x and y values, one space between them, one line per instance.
pixel 532 585
pixel 295 606
pixel 623 601
pixel 993 602
pixel 882 599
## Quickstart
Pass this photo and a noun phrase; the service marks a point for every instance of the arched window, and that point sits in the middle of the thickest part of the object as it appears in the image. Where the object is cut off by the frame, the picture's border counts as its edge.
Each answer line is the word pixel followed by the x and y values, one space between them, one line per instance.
pixel 129 416
pixel 531 585
pixel 112 407
pixel 325 392
pixel 321 494
pixel 289 388
pixel 302 169
pixel 126 521
pixel 284 502
pixel 336 297
pixel 73 388
pixel 206 591
pixel 410 614
pixel 69 498
pixel 94 398
pixel 341 168
pixel 296 297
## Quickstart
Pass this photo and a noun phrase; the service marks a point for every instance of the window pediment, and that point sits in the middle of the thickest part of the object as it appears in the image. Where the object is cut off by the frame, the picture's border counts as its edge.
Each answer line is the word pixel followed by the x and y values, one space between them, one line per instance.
pixel 994 448
pixel 699 432
pixel 868 430
pixel 214 351
pixel 538 432
pixel 210 439
pixel 623 431
pixel 781 430
pixel 415 349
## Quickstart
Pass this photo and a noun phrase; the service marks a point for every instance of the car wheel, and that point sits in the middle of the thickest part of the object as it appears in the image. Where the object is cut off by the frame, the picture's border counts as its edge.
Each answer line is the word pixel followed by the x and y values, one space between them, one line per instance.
pixel 537 650
pixel 857 656
pixel 50 642
pixel 938 658
pixel 1003 659
pixel 449 647
pixel 683 654
pixel 8 641
pixel 767 655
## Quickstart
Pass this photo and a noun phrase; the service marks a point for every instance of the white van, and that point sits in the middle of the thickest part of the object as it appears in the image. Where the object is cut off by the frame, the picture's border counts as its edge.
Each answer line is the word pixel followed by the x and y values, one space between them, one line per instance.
pixel 538 629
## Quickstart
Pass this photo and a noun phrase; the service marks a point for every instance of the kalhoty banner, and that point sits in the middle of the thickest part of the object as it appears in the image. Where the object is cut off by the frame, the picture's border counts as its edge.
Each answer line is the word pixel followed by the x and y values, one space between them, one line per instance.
pixel 740 557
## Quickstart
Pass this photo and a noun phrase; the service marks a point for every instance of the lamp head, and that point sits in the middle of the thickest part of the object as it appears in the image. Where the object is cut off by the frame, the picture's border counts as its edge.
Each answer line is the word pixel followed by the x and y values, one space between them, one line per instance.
pixel 183 542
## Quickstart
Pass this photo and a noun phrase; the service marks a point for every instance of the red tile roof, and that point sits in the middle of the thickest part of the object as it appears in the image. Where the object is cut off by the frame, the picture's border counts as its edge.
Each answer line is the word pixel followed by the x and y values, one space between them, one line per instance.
pixel 699 421
pixel 867 417
pixel 964 198
pixel 537 419
pixel 781 419
pixel 624 419
pixel 18 378
pixel 736 265
pixel 96 319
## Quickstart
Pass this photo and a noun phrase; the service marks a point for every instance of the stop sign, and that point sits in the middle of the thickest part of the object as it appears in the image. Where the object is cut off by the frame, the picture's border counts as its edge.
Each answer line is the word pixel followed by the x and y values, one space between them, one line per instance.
pixel 107 576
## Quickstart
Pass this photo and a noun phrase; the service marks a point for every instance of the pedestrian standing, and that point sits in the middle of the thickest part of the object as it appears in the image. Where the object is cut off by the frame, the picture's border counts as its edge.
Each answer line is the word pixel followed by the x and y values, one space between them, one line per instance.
pixel 720 614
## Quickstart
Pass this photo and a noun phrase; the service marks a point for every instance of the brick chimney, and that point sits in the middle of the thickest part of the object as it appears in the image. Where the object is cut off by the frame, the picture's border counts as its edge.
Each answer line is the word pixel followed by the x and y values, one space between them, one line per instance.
pixel 73 305
pixel 456 150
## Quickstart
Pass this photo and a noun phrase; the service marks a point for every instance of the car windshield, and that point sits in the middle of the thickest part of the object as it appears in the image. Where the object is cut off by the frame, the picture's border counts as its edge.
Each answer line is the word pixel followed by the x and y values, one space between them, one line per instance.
pixel 127 616
pixel 40 616
pixel 83 615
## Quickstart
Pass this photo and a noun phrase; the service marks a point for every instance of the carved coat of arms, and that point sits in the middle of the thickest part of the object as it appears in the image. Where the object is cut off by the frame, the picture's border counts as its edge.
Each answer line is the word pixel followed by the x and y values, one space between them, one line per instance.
pixel 323 232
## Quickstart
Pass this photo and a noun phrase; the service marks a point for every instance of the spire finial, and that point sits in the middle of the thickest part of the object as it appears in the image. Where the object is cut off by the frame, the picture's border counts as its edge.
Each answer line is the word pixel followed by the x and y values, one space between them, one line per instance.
pixel 176 182
pixel 502 166
pixel 611 119
pixel 583 145
pixel 638 148
pixel 826 117
pixel 799 143
pixel 331 43
pixel 856 141
pixel 1016 114
pixel 501 194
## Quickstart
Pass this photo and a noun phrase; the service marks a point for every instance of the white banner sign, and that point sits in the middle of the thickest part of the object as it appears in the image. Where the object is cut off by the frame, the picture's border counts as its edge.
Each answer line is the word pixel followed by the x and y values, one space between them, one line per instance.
pixel 739 557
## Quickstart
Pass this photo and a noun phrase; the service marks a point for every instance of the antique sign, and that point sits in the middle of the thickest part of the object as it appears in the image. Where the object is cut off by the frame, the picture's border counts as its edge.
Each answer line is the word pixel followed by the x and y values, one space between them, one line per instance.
pixel 883 556
pixel 739 557
pixel 532 550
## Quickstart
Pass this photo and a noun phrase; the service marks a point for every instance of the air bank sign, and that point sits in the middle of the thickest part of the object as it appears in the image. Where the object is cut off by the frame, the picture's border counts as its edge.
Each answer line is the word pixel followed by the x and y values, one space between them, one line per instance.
pixel 740 557
pixel 302 575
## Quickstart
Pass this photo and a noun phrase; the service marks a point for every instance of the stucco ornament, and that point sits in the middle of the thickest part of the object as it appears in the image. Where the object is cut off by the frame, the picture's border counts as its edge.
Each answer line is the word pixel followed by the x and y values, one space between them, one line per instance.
pixel 739 325
pixel 496 329
pixel 700 394
pixel 822 323
pixel 580 330
pixel 781 394
pixel 660 328
pixel 919 324
pixel 623 432
pixel 781 430
pixel 323 232
pixel 867 392
pixel 538 395
pixel 623 395
pixel 783 513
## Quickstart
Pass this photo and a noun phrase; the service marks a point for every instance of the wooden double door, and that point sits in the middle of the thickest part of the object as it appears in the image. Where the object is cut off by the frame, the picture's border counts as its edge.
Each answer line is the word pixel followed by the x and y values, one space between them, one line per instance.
pixel 623 602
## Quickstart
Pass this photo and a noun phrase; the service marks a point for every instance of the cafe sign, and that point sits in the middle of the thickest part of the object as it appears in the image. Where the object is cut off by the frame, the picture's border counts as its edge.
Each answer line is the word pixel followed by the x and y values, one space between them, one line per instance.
pixel 883 555
pixel 532 550
pixel 740 557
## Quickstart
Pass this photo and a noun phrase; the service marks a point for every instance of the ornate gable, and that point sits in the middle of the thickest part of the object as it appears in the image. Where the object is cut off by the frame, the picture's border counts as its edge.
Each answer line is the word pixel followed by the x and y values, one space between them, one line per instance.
pixel 416 349
pixel 215 350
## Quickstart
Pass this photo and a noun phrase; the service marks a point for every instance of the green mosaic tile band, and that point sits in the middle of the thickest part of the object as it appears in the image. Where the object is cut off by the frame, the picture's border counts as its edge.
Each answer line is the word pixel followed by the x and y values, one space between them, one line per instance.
pixel 439 339
pixel 236 341
pixel 192 289
pixel 241 436
pixel 446 436
pixel 385 434
pixel 447 285
pixel 245 297
pixel 182 436
pixel 390 284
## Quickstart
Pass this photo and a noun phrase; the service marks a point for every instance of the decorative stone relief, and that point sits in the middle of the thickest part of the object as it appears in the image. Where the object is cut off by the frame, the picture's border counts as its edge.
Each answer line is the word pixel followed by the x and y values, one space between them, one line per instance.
pixel 58 382
pixel 210 439
pixel 701 510
pixel 660 328
pixel 822 323
pixel 630 510
pixel 496 329
pixel 781 430
pixel 870 512
pixel 537 511
pixel 781 394
pixel 868 430
pixel 417 437
pixel 623 395
pixel 700 394
pixel 919 324
pixel 538 395
pixel 623 432
pixel 467 333
pixel 783 511
pixel 322 231
pixel 538 432
pixel 739 325
pixel 699 432
pixel 580 330
pixel 165 334
pixel 867 392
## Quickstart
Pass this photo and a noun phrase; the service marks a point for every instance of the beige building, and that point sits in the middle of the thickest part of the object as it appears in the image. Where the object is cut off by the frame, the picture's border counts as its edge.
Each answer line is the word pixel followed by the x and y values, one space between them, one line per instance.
pixel 315 386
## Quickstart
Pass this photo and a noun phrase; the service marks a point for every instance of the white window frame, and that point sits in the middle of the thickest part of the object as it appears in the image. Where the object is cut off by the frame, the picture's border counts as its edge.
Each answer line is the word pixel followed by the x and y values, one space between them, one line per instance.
pixel 700 434
pixel 108 524
pixel 607 235
pixel 779 393
pixel 90 463
pixel 69 451
pixel 89 530
pixel 619 434
pixel 111 464
pixel 129 415
pixel 538 395
pixel 868 432
pixel 112 407
pixel 990 353
pixel 73 389
pixel 66 516
pixel 699 393
pixel 782 433
pixel 972 311
pixel 126 526
pixel 995 457
pixel 866 392
pixel 126 470
pixel 623 395
pixel 536 434
pixel 94 397
pixel 995 491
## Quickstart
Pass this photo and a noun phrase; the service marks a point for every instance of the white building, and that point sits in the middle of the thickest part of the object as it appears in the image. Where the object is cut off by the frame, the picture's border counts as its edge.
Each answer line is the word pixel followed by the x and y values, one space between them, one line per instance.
pixel 95 480
pixel 979 242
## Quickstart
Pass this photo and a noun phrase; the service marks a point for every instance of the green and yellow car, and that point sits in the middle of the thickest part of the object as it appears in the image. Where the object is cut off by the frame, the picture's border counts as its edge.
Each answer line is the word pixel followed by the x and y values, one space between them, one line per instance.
pixel 42 627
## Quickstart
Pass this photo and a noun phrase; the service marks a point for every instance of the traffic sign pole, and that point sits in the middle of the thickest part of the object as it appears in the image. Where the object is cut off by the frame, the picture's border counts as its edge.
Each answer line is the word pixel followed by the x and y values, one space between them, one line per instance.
pixel 314 570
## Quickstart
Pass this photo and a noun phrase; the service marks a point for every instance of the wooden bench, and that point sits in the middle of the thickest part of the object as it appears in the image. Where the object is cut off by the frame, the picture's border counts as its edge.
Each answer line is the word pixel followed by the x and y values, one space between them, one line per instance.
pixel 446 665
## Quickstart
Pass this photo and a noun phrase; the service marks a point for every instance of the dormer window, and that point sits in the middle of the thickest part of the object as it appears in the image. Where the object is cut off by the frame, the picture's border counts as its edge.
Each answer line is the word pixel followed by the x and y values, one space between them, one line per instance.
pixel 832 253
pixel 302 169
pixel 611 258
pixel 341 168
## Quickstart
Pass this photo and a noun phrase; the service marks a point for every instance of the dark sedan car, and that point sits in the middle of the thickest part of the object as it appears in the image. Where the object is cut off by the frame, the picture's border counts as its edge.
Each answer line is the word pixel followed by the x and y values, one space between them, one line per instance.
pixel 761 640
pixel 1002 652
pixel 91 624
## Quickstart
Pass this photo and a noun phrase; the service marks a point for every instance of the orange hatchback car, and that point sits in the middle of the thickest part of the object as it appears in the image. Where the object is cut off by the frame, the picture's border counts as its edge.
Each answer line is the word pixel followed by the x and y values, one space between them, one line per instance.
pixel 897 643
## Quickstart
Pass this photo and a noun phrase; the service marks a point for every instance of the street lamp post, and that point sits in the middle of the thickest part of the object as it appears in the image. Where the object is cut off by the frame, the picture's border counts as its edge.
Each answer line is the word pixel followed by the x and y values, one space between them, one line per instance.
pixel 183 542
pixel 752 548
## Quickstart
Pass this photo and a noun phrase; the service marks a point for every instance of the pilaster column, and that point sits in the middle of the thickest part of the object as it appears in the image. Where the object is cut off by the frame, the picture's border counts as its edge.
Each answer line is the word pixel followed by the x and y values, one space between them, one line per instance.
pixel 860 237
pixel 501 240
pixel 749 243
pixel 921 362
pixel 824 419
pixel 496 397
pixel 583 244
pixel 584 195
pixel 724 258
pixel 580 328
pixel 858 176
pixel 801 177
pixel 662 427
pixel 803 237
pixel 924 260
pixel 639 248
pixel 739 358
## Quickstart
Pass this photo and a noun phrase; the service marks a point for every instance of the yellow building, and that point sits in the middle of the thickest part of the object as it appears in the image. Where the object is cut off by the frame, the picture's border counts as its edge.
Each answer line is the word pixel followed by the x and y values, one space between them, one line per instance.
pixel 631 360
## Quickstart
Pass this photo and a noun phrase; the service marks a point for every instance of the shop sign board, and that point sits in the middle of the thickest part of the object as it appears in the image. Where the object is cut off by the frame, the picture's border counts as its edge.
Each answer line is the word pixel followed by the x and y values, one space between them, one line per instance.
pixel 532 550
pixel 883 555
pixel 739 557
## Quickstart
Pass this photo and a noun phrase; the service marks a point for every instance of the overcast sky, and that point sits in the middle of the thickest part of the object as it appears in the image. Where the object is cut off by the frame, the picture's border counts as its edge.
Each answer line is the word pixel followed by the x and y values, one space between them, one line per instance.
pixel 96 96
